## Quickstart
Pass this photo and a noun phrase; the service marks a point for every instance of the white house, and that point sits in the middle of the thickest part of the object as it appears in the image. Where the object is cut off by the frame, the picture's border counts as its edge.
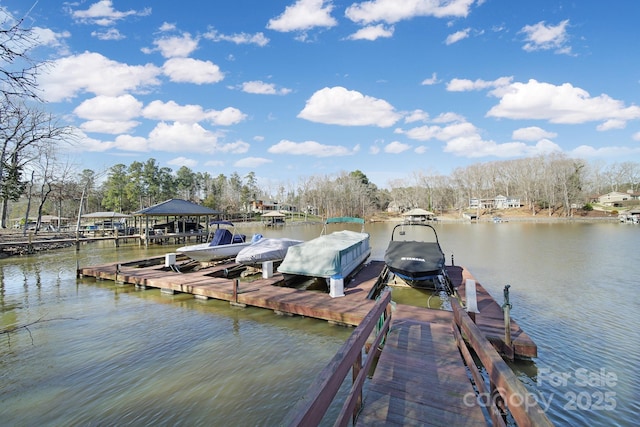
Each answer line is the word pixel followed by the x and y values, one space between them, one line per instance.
pixel 614 197
pixel 498 202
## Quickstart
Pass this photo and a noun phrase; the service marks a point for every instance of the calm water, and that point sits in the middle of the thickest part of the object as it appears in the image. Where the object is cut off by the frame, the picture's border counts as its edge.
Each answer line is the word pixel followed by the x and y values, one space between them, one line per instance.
pixel 96 353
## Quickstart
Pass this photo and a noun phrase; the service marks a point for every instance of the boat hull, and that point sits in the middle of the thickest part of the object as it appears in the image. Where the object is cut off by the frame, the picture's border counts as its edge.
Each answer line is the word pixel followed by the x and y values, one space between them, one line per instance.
pixel 205 253
pixel 266 249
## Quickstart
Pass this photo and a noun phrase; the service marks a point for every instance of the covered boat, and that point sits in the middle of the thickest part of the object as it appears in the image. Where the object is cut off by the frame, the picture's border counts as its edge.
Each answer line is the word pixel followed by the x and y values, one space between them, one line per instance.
pixel 420 263
pixel 223 243
pixel 265 249
pixel 331 256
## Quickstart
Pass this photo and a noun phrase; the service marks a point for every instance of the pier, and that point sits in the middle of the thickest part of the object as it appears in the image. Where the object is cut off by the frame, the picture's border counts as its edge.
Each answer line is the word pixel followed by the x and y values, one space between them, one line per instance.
pixel 421 375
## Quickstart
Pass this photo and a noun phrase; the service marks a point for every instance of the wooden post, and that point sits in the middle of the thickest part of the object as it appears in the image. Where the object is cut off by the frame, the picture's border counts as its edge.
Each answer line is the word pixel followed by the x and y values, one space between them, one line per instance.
pixel 235 291
pixel 357 367
pixel 506 307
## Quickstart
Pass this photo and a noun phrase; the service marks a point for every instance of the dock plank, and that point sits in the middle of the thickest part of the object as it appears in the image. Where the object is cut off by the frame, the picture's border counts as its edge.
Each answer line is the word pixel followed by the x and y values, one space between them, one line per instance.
pixel 420 378
pixel 261 292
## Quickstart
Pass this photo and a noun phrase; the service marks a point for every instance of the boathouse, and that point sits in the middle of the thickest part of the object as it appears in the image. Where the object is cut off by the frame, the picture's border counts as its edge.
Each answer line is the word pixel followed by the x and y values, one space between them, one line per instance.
pixel 180 217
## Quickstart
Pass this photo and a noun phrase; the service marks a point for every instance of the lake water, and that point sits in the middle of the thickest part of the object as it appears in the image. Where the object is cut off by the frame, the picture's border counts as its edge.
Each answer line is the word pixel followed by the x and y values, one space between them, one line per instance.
pixel 96 353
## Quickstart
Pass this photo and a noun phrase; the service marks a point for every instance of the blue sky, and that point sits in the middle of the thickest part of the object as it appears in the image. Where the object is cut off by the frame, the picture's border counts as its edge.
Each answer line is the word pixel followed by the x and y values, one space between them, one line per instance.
pixel 292 89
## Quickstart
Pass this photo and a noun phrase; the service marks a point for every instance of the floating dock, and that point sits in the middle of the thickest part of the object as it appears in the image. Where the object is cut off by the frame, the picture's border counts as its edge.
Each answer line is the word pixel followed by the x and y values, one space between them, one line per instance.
pixel 265 293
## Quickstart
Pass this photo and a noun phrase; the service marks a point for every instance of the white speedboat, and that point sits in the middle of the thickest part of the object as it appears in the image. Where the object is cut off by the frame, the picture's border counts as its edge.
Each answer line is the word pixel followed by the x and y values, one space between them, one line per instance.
pixel 265 249
pixel 224 243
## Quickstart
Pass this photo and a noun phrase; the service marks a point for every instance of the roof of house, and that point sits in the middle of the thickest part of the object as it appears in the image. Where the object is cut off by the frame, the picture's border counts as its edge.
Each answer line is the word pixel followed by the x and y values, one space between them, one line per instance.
pixel 105 215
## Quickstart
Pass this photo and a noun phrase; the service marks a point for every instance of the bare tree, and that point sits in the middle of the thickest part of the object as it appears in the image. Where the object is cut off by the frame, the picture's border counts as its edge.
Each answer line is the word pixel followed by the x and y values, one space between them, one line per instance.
pixel 24 132
pixel 18 71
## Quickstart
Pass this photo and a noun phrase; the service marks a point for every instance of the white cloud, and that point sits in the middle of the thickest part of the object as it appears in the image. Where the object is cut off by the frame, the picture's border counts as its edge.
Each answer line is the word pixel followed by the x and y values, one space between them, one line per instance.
pixel 463 139
pixel 304 15
pixel 262 88
pixel 430 81
pixel 372 32
pixel 340 106
pixel 110 34
pixel 546 37
pixel 586 151
pixel 612 124
pixel 109 108
pixel 396 147
pixel 130 143
pixel 172 111
pixel 457 36
pixel 102 13
pixel 559 104
pixel 94 73
pixel 463 85
pixel 183 161
pixel 238 38
pixel 532 133
pixel 473 146
pixel 448 118
pixel 48 37
pixel 113 127
pixel 251 162
pixel 189 70
pixel 226 117
pixel 416 116
pixel 190 137
pixel 310 148
pixel 174 46
pixel 420 149
pixel 392 11
pixel 167 26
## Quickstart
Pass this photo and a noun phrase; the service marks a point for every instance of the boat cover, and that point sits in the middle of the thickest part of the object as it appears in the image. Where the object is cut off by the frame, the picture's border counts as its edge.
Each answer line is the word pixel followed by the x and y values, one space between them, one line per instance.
pixel 272 249
pixel 222 236
pixel 322 256
pixel 415 260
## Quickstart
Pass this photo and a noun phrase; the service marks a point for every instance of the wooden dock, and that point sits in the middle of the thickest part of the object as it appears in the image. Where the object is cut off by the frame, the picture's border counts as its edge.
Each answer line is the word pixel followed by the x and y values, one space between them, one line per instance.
pixel 490 320
pixel 420 378
pixel 264 293
pixel 261 292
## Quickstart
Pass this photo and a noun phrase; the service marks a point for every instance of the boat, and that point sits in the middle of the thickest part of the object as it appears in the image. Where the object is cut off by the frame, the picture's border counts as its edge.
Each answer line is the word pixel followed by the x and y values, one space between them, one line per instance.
pixel 223 243
pixel 333 257
pixel 419 263
pixel 265 249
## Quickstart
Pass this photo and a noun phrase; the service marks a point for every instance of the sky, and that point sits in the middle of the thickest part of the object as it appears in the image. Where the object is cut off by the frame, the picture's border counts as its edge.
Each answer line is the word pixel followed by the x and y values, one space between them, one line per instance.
pixel 293 89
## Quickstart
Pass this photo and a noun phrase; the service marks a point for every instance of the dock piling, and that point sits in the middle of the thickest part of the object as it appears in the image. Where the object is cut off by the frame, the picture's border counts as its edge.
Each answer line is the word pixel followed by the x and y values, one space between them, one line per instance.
pixel 506 307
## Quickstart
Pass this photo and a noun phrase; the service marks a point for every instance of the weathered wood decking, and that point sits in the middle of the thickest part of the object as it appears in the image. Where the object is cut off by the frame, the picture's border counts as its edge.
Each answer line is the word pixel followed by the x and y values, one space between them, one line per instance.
pixel 420 378
pixel 490 320
pixel 261 292
pixel 350 309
